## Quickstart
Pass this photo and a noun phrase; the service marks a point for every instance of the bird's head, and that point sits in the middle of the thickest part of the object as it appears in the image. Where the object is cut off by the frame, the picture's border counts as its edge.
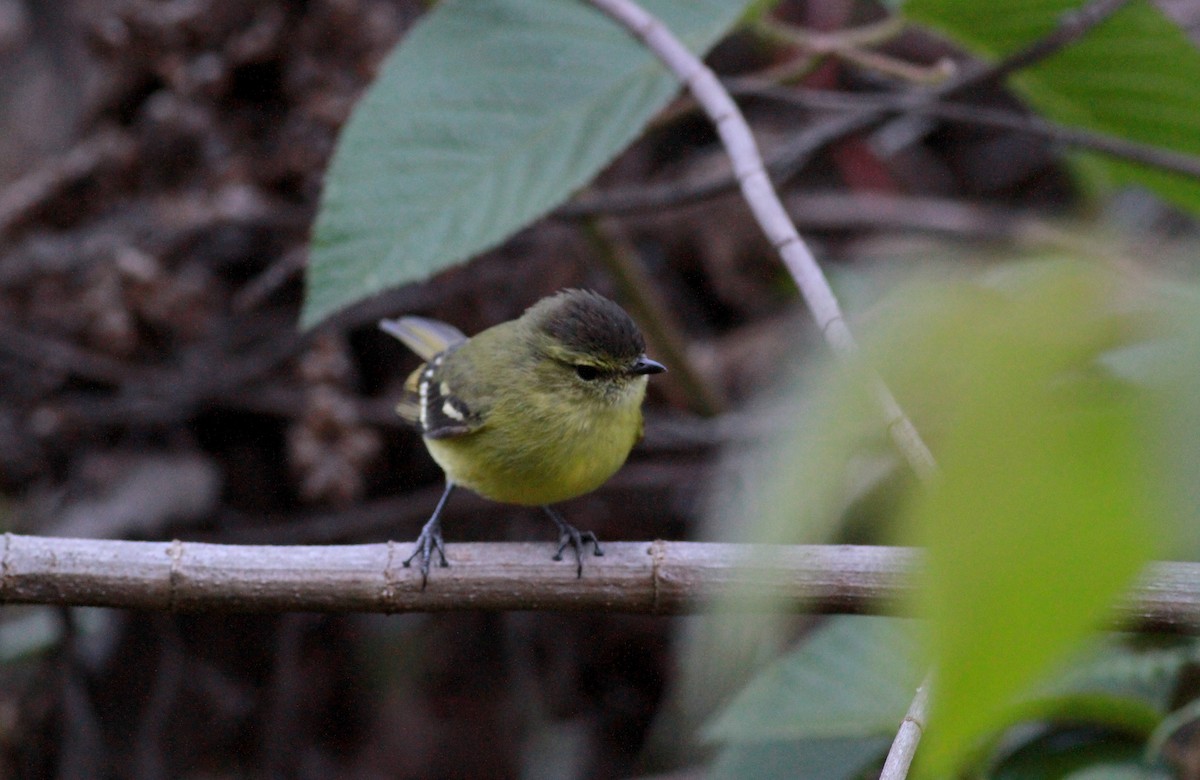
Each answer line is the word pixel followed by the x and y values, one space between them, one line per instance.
pixel 591 344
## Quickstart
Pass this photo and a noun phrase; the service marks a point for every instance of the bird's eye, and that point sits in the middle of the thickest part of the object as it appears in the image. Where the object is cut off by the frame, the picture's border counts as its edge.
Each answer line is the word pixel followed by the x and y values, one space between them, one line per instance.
pixel 587 373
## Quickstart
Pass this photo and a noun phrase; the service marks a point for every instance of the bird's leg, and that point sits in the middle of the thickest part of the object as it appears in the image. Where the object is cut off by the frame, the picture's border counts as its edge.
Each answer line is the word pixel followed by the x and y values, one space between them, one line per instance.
pixel 431 538
pixel 569 534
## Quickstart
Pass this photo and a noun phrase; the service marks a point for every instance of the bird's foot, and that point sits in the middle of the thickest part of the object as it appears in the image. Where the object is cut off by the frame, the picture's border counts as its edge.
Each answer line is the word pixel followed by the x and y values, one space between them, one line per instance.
pixel 570 535
pixel 429 542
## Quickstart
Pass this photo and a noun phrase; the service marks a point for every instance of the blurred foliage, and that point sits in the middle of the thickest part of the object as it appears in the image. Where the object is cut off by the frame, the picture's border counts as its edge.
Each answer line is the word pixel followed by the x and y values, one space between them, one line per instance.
pixel 1038 521
pixel 1135 76
pixel 1055 489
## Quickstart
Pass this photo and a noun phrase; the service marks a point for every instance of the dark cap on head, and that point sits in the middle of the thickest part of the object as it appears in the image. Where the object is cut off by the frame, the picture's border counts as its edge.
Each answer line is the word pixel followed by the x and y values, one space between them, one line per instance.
pixel 589 323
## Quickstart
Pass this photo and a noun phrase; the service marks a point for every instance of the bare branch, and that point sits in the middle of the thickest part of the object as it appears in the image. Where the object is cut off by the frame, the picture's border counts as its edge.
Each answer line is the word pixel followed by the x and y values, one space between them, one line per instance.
pixel 662 578
pixel 1072 27
pixel 651 577
pixel 790 157
pixel 900 103
pixel 107 150
pixel 904 746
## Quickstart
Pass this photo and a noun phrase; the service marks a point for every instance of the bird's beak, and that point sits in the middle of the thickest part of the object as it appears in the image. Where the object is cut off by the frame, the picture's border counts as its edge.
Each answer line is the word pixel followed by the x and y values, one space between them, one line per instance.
pixel 645 365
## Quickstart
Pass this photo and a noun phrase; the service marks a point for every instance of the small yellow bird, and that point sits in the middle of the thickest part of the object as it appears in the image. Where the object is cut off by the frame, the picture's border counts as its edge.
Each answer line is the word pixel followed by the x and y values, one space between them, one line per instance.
pixel 532 411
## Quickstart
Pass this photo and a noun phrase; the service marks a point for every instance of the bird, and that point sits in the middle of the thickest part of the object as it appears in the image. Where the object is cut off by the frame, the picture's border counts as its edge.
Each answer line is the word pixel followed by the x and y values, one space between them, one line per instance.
pixel 532 411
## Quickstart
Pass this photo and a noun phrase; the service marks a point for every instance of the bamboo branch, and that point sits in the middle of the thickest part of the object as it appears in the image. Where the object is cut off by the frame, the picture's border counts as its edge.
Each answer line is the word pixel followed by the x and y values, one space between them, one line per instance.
pixel 660 578
pixel 904 746
pixel 648 577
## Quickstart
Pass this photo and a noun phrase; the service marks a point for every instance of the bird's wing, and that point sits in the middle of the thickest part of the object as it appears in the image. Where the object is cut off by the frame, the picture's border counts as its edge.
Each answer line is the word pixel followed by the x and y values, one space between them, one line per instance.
pixel 425 337
pixel 430 404
pixel 435 413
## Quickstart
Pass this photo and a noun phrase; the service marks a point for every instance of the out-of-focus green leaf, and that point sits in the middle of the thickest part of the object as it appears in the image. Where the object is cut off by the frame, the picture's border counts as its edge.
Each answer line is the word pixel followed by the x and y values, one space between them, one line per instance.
pixel 853 677
pixel 827 759
pixel 488 114
pixel 1120 687
pixel 1135 669
pixel 827 709
pixel 1039 518
pixel 1136 76
pixel 1178 429
pixel 1127 771
pixel 1101 709
pixel 1078 754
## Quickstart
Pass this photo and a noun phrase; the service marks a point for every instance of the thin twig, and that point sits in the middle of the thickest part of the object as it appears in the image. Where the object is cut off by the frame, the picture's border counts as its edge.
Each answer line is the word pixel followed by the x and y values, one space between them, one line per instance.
pixel 784 161
pixel 791 157
pixel 20 200
pixel 1115 146
pixel 850 45
pixel 47 352
pixel 1072 27
pixel 833 41
pixel 904 747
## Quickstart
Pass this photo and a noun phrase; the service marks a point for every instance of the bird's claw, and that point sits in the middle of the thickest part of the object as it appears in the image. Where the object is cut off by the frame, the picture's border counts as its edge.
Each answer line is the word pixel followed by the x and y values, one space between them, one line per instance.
pixel 427 543
pixel 570 535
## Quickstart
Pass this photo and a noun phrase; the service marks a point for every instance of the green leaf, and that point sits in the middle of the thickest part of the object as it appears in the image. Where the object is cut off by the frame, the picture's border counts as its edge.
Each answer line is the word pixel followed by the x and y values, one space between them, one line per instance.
pixel 1039 519
pixel 1118 687
pixel 487 115
pixel 827 759
pixel 853 677
pixel 1136 76
pixel 1178 427
pixel 1139 669
pixel 1076 754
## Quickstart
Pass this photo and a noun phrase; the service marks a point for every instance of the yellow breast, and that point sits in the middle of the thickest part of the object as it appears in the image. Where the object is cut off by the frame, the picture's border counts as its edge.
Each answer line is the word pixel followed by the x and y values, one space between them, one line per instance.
pixel 533 456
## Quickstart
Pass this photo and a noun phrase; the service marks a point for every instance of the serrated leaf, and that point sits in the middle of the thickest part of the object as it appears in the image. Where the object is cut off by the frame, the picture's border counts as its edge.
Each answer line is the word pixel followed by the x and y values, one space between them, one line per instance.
pixel 1039 518
pixel 1136 75
pixel 487 115
pixel 853 677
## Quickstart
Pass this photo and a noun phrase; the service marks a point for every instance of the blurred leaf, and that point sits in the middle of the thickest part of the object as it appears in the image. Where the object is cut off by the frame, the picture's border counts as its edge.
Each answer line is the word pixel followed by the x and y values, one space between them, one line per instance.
pixel 1134 670
pixel 1136 75
pixel 1077 754
pixel 1118 687
pixel 1039 519
pixel 1177 428
pixel 827 759
pixel 29 631
pixel 1100 709
pixel 1127 771
pixel 852 677
pixel 488 114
